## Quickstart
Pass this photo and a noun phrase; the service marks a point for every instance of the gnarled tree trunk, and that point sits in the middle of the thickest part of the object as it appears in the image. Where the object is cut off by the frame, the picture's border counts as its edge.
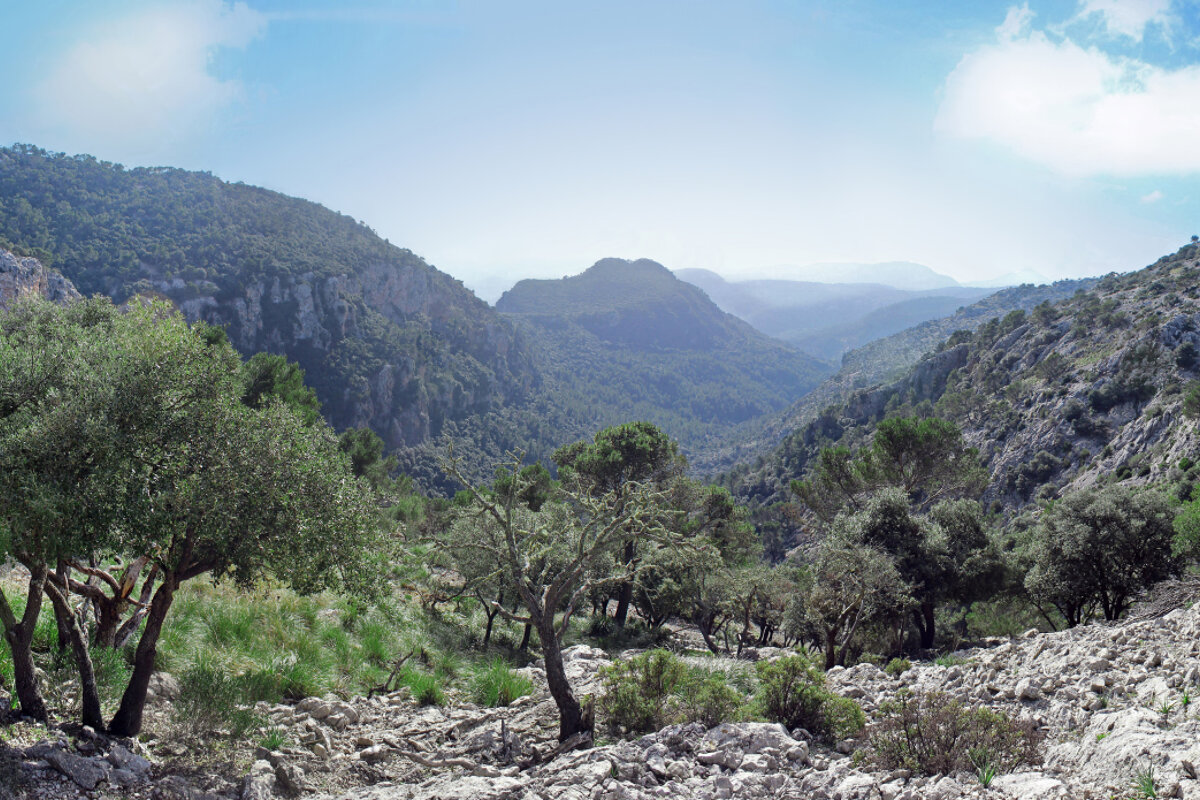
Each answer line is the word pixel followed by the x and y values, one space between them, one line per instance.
pixel 128 719
pixel 20 641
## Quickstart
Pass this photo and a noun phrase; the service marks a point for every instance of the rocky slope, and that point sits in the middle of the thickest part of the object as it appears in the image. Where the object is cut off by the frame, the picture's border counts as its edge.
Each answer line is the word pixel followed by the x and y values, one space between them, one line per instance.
pixel 880 363
pixel 26 277
pixel 1113 701
pixel 1088 389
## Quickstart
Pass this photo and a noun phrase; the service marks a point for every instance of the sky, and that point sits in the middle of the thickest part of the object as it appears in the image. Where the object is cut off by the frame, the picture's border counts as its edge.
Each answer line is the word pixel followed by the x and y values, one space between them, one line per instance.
pixel 502 140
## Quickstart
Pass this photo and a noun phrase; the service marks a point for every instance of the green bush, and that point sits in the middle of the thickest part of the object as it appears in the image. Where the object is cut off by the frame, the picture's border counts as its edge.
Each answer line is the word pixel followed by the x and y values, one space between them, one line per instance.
pixel 497 684
pixel 792 691
pixel 932 734
pixel 897 667
pixel 712 702
pixel 656 689
pixel 636 691
pixel 426 688
pixel 210 699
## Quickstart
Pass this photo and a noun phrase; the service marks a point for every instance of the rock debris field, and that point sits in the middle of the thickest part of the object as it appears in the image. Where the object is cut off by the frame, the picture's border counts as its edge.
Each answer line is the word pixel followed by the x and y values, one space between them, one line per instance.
pixel 1114 703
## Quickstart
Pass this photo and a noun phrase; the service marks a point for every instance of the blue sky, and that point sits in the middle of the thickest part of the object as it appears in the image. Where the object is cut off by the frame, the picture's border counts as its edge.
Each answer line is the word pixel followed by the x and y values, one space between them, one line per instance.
pixel 502 140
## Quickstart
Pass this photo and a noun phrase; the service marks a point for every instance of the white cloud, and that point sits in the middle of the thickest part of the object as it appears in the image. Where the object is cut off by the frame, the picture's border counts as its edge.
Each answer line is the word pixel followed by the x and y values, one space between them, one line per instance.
pixel 1016 22
pixel 1129 17
pixel 1152 197
pixel 1075 109
pixel 147 78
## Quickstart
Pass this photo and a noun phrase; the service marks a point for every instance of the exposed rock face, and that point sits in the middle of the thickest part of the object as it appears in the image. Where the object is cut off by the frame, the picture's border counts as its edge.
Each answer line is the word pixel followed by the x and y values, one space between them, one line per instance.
pixel 391 347
pixel 26 277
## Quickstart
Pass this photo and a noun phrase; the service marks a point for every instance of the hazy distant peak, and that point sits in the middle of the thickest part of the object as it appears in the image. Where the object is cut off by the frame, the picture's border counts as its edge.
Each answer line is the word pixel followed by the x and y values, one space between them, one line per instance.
pixel 897 274
pixel 620 268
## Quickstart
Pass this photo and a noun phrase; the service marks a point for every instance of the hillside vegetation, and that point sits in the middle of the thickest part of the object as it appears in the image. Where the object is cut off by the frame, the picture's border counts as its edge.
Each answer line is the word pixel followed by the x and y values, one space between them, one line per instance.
pixel 1083 391
pixel 628 340
pixel 386 340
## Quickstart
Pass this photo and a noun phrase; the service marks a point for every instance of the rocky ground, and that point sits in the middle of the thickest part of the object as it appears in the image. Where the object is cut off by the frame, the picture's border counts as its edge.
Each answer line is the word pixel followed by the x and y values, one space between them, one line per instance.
pixel 1114 702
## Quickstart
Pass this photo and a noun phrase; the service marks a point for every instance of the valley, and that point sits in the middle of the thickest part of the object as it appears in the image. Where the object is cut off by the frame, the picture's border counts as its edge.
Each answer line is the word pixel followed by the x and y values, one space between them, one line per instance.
pixel 985 519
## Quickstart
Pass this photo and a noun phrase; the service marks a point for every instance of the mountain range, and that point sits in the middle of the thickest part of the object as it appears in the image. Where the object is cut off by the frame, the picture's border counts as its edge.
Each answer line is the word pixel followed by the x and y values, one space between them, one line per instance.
pixel 828 319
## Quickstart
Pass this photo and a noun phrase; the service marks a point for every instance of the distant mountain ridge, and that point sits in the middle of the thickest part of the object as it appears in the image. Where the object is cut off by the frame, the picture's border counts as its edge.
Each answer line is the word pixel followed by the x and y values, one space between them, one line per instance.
pixel 828 319
pixel 905 275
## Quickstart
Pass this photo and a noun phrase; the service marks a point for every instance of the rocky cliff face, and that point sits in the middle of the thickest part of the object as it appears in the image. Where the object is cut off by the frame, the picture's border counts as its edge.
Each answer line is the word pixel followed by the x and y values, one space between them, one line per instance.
pixel 26 277
pixel 389 347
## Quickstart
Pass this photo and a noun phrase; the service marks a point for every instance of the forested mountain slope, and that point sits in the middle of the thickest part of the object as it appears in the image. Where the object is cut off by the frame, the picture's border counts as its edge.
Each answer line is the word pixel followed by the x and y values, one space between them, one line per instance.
pixel 627 340
pixel 386 340
pixel 1095 387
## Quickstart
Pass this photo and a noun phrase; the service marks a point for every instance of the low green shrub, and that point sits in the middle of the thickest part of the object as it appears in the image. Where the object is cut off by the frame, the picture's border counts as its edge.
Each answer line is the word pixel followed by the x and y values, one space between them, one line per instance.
pixel 933 734
pixel 426 688
pixel 897 667
pixel 792 691
pixel 496 684
pixel 657 688
pixel 210 699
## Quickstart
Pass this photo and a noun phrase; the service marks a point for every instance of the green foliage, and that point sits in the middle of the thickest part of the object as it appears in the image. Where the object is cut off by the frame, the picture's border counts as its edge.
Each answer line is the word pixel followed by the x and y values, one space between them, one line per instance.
pixel 636 691
pixel 792 691
pixel 897 667
pixel 1145 784
pixel 1191 400
pixel 496 684
pixel 210 699
pixel 656 689
pixel 267 376
pixel 426 687
pixel 932 734
pixel 926 459
pixel 1098 549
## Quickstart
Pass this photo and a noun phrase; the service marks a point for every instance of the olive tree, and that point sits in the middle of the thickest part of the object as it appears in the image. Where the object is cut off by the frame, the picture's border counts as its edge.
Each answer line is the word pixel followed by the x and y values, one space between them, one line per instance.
pixel 1099 548
pixel 636 452
pixel 141 447
pixel 555 556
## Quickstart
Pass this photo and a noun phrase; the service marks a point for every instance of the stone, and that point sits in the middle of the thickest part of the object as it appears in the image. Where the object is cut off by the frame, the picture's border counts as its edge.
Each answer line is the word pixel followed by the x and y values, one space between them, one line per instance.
pixel 290 777
pixel 163 687
pixel 374 754
pixel 121 758
pixel 86 772
pixel 260 781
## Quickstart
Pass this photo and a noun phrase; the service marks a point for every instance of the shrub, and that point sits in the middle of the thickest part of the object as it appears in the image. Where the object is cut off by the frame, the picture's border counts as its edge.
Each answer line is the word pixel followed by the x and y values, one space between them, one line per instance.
pixel 636 691
pixel 933 734
pixel 426 688
pixel 897 667
pixel 656 689
pixel 498 685
pixel 210 699
pixel 712 702
pixel 792 691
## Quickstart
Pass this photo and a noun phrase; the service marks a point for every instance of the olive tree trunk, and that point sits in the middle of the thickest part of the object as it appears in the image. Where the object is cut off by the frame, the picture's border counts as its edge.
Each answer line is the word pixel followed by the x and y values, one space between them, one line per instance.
pixel 128 719
pixel 20 641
